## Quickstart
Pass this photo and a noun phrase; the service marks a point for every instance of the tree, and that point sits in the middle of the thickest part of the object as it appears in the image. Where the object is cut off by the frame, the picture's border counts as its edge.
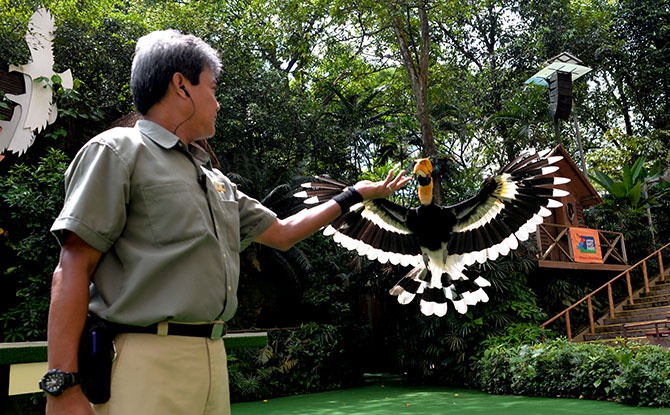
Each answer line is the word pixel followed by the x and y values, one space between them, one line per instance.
pixel 631 192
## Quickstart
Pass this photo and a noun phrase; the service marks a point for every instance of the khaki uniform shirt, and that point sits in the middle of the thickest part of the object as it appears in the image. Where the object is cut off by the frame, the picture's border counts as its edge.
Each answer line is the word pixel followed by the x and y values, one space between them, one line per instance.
pixel 170 228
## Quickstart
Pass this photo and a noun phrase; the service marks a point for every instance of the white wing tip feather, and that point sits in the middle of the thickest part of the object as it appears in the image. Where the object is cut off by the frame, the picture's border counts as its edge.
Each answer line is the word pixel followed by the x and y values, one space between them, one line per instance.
pixel 549 170
pixel 311 201
pixel 553 204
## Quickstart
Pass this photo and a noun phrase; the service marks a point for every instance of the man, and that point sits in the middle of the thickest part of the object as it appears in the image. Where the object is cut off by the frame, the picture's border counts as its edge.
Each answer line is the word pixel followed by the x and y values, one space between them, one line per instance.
pixel 158 234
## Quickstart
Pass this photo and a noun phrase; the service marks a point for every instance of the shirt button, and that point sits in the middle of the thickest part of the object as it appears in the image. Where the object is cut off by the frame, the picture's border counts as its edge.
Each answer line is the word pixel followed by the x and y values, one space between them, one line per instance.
pixel 230 288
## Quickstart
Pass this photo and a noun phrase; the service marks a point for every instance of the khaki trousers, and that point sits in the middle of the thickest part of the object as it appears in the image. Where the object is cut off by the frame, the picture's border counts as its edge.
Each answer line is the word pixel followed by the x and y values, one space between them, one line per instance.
pixel 165 375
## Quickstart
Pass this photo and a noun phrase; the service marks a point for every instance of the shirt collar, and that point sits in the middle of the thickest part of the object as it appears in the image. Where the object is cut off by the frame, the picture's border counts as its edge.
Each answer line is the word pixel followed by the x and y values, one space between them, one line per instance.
pixel 167 140
pixel 157 133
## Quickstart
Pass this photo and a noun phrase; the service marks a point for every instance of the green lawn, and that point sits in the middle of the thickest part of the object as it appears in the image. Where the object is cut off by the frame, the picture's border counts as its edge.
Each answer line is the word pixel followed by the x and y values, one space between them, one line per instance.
pixel 386 398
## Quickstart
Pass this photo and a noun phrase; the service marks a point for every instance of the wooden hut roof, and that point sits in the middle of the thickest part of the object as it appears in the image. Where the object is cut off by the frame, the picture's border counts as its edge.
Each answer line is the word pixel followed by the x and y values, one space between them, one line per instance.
pixel 579 185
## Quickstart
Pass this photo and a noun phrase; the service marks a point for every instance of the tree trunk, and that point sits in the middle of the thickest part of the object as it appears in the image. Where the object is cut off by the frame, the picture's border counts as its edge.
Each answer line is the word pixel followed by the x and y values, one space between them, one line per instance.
pixel 417 70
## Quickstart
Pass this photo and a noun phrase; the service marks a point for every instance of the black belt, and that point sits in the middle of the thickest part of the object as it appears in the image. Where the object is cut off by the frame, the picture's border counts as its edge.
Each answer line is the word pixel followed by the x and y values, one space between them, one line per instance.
pixel 213 331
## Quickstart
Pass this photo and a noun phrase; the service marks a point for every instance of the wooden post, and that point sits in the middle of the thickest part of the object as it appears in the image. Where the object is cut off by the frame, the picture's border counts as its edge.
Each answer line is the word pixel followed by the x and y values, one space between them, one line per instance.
pixel 591 320
pixel 571 251
pixel 660 266
pixel 611 299
pixel 646 277
pixel 567 325
pixel 630 288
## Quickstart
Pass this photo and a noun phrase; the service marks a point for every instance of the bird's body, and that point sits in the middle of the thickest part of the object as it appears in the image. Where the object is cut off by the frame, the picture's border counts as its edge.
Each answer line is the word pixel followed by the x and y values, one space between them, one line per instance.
pixel 440 242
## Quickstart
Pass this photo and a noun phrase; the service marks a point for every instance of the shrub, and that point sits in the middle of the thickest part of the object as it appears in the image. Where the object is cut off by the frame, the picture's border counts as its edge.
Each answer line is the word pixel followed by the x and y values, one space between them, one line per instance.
pixel 629 373
pixel 30 199
pixel 310 358
pixel 645 378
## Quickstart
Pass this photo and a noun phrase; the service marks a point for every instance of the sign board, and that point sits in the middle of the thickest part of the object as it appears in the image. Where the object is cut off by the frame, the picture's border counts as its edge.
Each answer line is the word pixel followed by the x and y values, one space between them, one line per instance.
pixel 585 244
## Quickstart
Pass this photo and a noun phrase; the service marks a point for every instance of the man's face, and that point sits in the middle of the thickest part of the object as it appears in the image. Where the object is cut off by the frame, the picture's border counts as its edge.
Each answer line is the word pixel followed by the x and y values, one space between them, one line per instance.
pixel 203 123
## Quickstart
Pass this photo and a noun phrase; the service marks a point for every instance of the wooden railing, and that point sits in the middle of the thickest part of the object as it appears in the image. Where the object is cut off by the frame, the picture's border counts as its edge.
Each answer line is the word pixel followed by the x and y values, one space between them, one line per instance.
pixel 553 243
pixel 608 288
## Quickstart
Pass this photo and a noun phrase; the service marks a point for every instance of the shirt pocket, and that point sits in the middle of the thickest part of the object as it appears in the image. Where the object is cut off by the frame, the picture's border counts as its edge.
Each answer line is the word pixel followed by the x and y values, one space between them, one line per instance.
pixel 228 218
pixel 176 212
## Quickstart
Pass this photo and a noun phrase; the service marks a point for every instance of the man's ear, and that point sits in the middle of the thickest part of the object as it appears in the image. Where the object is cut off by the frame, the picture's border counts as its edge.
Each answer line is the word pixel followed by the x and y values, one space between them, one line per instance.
pixel 179 82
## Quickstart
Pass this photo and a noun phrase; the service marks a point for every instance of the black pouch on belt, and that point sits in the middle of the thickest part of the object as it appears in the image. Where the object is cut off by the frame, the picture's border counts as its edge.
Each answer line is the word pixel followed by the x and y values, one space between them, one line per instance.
pixel 96 352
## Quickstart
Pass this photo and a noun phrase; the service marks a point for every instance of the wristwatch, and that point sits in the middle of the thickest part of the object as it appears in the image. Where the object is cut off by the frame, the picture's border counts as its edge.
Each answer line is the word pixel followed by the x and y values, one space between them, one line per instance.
pixel 56 381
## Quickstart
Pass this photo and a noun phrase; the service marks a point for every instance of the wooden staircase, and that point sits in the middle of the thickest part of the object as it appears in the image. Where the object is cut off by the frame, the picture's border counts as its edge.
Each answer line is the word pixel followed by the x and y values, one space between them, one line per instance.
pixel 649 303
pixel 651 306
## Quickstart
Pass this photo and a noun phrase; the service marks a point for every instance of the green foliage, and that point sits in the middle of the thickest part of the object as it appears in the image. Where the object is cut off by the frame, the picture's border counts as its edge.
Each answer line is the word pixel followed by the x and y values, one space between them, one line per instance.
pixel 310 358
pixel 517 334
pixel 632 185
pixel 315 87
pixel 629 373
pixel 645 379
pixel 628 206
pixel 612 215
pixel 31 199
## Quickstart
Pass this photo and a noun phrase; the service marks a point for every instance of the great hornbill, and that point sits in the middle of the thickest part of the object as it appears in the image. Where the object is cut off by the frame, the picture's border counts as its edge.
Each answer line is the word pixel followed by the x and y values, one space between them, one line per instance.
pixel 440 242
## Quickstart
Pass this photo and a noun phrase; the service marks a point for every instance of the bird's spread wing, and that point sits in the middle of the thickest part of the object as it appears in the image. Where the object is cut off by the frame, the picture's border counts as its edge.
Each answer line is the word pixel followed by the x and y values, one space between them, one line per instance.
pixel 441 242
pixel 507 209
pixel 374 228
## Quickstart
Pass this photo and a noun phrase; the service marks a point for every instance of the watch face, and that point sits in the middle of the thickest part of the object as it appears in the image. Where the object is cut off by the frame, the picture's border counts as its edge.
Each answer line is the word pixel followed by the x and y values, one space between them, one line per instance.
pixel 53 382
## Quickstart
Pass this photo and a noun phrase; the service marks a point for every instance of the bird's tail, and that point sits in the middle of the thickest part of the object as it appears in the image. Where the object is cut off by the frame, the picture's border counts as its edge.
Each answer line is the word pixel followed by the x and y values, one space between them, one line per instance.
pixel 410 285
pixel 434 300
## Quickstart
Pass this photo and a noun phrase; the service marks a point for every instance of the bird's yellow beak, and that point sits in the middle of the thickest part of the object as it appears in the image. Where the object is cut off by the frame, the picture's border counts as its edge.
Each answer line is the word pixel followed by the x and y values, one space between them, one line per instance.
pixel 423 168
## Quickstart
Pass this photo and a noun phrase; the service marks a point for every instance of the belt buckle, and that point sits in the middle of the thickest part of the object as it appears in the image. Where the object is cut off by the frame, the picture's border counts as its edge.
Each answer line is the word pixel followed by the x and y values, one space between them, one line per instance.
pixel 218 330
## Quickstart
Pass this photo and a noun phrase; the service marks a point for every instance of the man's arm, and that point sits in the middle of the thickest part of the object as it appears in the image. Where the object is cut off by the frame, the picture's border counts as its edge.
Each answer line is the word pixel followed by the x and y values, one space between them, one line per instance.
pixel 284 233
pixel 67 316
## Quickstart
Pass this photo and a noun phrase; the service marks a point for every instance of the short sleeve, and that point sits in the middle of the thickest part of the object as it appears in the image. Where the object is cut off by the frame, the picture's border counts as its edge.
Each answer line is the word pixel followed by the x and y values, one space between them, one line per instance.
pixel 96 194
pixel 254 218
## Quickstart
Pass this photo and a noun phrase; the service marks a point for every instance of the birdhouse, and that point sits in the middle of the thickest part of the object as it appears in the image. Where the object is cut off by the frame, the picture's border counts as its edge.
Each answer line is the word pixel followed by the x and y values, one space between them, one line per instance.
pixel 582 194
pixel 559 236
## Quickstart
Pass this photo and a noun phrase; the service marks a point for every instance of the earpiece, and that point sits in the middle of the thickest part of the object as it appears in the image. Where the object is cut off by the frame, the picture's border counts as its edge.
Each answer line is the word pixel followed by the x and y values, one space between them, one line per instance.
pixel 183 88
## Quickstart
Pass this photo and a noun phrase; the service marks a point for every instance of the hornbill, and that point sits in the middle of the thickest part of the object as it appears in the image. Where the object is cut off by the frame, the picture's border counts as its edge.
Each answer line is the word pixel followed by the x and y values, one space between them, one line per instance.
pixel 441 242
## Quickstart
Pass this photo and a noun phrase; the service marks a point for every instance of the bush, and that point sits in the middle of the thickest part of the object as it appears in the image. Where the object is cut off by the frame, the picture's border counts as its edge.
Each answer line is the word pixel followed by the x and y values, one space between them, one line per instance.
pixel 629 373
pixel 311 358
pixel 645 379
pixel 30 200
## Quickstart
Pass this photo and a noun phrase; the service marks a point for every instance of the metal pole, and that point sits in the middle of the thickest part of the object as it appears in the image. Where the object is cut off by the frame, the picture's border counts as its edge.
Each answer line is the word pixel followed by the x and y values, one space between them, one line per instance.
pixel 579 137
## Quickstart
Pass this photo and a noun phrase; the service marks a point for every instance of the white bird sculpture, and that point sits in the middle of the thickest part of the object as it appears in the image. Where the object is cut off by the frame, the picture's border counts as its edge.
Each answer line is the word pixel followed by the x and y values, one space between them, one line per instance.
pixel 35 109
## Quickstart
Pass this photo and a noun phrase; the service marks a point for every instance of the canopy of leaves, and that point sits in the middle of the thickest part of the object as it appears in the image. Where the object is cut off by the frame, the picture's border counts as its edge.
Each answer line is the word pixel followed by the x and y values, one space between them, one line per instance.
pixel 320 87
